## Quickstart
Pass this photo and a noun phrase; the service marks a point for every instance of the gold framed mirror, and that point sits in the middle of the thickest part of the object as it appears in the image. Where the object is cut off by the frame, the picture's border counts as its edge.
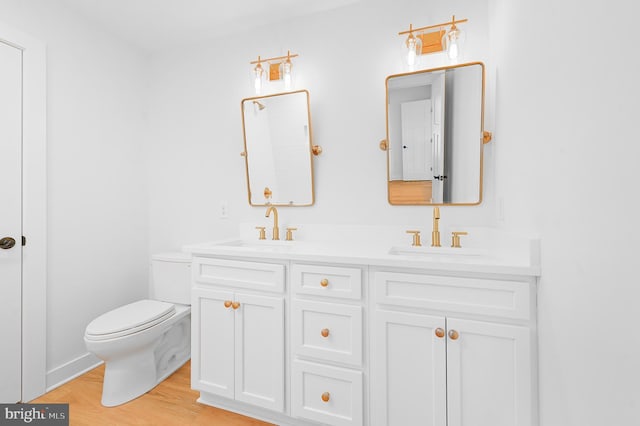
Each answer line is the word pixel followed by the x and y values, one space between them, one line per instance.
pixel 278 149
pixel 435 136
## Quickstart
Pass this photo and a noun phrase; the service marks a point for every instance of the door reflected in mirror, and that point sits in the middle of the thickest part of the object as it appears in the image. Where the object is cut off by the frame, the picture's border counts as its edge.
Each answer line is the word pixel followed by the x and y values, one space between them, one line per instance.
pixel 434 136
pixel 277 143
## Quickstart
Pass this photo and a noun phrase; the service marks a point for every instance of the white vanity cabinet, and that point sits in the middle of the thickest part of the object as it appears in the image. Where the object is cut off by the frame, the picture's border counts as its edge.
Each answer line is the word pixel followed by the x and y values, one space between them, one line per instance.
pixel 299 334
pixel 238 335
pixel 452 350
pixel 327 344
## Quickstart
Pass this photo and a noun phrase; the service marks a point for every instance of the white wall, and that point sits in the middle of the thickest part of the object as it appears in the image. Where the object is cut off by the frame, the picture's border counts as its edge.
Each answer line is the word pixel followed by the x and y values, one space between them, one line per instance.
pixel 345 56
pixel 463 172
pixel 97 227
pixel 567 167
pixel 290 149
pixel 256 132
pixel 562 163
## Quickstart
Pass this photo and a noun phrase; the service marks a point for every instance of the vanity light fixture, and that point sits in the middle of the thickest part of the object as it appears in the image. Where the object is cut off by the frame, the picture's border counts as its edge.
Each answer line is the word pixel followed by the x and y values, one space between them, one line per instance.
pixel 413 45
pixel 286 69
pixel 258 72
pixel 453 38
pixel 422 41
pixel 280 68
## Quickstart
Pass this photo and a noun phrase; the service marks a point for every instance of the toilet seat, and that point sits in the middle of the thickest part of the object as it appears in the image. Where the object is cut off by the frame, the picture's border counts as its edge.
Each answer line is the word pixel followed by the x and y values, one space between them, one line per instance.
pixel 129 319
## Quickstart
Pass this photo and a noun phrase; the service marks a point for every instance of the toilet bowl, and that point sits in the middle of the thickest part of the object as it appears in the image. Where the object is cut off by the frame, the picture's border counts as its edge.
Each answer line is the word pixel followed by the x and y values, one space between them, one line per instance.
pixel 143 342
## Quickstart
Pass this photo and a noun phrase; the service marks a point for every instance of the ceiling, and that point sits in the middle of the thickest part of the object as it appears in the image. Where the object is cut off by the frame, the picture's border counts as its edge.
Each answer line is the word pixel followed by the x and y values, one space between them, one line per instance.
pixel 155 24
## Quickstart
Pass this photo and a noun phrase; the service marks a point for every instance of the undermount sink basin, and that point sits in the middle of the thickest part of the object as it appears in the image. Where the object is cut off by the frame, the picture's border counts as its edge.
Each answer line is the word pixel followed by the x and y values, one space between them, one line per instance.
pixel 439 253
pixel 259 245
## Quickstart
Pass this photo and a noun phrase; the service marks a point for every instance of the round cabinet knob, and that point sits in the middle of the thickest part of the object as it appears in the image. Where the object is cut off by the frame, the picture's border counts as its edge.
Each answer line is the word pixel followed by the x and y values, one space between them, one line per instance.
pixel 440 332
pixel 324 282
pixel 326 396
pixel 227 303
pixel 7 243
pixel 325 332
pixel 235 305
pixel 453 335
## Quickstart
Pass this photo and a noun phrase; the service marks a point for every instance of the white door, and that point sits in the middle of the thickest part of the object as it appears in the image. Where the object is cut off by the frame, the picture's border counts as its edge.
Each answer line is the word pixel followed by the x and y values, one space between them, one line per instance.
pixel 488 374
pixel 213 340
pixel 10 223
pixel 409 370
pixel 259 351
pixel 415 117
pixel 438 131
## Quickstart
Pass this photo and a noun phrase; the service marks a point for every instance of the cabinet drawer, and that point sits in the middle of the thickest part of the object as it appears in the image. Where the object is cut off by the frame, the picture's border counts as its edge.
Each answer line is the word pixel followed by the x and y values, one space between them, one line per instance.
pixel 327 281
pixel 509 299
pixel 327 331
pixel 239 274
pixel 340 387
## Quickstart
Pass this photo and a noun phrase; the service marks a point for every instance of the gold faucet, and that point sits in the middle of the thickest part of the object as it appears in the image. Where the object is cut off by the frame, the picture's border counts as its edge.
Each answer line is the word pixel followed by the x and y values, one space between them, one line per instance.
pixel 276 230
pixel 289 236
pixel 435 234
pixel 416 238
pixel 455 238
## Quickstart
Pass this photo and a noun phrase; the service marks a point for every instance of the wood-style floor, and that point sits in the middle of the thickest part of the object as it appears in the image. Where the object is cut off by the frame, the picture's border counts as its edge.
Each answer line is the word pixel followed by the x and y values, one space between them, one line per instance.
pixel 172 402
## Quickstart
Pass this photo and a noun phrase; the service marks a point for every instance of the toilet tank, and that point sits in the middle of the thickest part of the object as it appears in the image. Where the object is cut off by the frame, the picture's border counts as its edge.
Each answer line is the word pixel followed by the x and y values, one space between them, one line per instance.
pixel 171 278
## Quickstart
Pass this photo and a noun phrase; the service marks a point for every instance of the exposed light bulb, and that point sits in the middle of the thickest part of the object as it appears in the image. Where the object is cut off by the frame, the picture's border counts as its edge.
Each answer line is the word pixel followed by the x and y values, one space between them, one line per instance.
pixel 258 78
pixel 287 74
pixel 453 49
pixel 411 50
pixel 453 39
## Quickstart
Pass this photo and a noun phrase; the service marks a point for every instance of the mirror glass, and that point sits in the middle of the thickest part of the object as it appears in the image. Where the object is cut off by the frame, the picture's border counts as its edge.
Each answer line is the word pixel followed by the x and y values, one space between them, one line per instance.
pixel 434 136
pixel 277 149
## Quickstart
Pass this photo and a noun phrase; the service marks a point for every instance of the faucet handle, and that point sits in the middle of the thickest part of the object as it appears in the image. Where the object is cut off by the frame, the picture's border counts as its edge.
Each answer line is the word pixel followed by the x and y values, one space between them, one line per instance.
pixel 263 233
pixel 455 238
pixel 416 238
pixel 289 236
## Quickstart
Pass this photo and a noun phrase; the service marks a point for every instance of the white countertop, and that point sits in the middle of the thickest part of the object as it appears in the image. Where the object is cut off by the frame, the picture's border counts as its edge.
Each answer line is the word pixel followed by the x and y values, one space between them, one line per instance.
pixel 484 251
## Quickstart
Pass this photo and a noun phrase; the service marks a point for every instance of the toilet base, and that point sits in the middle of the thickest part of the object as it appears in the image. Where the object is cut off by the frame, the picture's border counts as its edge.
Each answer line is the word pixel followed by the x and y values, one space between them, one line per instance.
pixel 128 377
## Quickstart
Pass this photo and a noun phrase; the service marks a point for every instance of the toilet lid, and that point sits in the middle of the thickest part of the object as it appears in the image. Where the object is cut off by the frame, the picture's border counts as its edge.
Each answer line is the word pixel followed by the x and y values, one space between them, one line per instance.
pixel 129 319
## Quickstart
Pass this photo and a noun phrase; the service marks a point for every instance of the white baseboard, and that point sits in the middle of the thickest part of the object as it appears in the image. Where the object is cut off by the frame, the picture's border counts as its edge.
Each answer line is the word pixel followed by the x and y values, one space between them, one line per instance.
pixel 72 369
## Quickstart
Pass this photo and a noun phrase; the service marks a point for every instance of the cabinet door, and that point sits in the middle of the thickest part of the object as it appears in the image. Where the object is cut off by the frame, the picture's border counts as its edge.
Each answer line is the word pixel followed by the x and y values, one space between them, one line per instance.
pixel 327 331
pixel 213 342
pixel 259 351
pixel 408 370
pixel 325 394
pixel 488 374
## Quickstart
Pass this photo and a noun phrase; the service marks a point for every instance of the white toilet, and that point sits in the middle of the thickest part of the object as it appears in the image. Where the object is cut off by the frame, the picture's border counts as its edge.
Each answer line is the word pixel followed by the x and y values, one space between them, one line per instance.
pixel 143 342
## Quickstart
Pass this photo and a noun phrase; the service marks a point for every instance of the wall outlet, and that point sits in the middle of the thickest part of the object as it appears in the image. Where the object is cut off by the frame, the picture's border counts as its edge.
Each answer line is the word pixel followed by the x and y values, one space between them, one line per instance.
pixel 224 209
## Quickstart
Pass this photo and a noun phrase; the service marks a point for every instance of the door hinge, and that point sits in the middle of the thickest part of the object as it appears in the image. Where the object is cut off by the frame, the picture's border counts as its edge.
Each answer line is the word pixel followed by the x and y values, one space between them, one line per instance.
pixel 24 241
